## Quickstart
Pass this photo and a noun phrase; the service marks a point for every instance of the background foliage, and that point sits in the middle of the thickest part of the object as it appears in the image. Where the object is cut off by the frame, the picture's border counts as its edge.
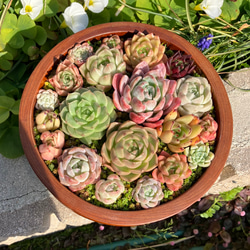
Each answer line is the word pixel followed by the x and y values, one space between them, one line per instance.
pixel 23 43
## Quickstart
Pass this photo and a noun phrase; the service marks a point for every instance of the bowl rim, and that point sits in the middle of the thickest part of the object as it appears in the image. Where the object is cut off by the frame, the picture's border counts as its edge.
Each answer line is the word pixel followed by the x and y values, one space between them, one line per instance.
pixel 117 217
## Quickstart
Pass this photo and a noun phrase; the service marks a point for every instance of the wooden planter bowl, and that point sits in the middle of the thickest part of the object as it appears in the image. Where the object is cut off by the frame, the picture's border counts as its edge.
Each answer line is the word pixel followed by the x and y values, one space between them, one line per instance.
pixel 114 217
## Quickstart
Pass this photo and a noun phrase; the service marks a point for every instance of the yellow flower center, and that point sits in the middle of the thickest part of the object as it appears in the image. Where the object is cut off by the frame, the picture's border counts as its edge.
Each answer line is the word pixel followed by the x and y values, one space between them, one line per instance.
pixel 28 8
pixel 91 2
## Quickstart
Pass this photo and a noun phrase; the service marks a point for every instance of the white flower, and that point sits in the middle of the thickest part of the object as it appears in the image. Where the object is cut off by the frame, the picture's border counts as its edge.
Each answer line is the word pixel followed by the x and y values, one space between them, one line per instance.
pixel 75 17
pixel 31 7
pixel 96 6
pixel 211 7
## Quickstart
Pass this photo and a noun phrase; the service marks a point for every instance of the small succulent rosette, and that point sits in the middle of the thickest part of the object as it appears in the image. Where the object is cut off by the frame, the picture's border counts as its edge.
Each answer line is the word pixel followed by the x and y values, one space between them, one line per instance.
pixel 195 94
pixel 172 170
pixel 108 191
pixel 79 167
pixel 199 155
pixel 180 132
pixel 67 78
pixel 47 100
pixel 100 68
pixel 209 130
pixel 79 53
pixel 179 65
pixel 130 150
pixel 86 114
pixel 146 95
pixel 113 42
pixel 143 47
pixel 47 120
pixel 52 144
pixel 148 192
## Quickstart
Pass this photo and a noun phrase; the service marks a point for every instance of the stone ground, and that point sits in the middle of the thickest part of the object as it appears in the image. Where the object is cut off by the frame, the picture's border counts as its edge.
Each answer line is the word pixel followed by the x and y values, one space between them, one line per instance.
pixel 28 209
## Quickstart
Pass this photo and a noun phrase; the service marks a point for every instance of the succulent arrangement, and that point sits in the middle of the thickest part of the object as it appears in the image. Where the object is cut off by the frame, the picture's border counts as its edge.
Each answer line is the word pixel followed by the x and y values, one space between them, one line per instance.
pixel 123 124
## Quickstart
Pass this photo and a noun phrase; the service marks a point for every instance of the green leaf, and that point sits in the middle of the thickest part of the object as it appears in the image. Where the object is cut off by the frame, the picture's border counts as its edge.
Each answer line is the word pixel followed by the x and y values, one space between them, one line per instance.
pixel 52 34
pixel 10 143
pixel 63 4
pixel 9 89
pixel 11 53
pixel 15 108
pixel 4 114
pixel 26 26
pixel 17 41
pixel 231 10
pixel 163 22
pixel 9 28
pixel 51 8
pixel 18 73
pixel 5 64
pixel 41 35
pixel 6 102
pixel 247 8
pixel 144 5
pixel 2 93
pixel 50 23
pixel 27 44
pixel 230 195
pixel 98 18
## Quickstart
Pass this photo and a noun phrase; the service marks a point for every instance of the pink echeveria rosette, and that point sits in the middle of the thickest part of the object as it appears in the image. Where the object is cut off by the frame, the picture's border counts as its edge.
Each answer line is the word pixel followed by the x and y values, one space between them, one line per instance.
pixel 79 167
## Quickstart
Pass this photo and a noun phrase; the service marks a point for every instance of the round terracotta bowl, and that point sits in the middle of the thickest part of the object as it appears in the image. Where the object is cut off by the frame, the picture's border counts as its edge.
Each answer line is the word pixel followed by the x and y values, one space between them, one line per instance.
pixel 115 217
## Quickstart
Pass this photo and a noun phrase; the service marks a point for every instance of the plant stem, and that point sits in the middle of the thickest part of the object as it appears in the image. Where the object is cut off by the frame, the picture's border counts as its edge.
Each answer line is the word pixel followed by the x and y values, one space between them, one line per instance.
pixel 218 31
pixel 188 16
pixel 149 12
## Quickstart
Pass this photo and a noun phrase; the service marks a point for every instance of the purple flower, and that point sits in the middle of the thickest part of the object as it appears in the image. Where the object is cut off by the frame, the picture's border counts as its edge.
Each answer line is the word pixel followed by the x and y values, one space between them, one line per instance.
pixel 204 42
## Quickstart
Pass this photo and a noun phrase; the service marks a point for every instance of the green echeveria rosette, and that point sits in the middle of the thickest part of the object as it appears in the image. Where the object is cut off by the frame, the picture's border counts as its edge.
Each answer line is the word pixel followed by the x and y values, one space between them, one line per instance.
pixel 199 155
pixel 130 150
pixel 86 114
pixel 148 192
pixel 100 68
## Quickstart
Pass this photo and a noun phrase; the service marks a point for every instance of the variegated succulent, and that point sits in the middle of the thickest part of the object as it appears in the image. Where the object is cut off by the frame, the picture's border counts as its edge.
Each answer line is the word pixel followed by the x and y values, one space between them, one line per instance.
pixel 47 100
pixel 143 47
pixel 146 96
pixel 209 130
pixel 195 94
pixel 130 150
pixel 179 65
pixel 67 78
pixel 100 68
pixel 180 132
pixel 79 167
pixel 86 114
pixel 79 53
pixel 47 120
pixel 172 170
pixel 108 191
pixel 199 155
pixel 148 192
